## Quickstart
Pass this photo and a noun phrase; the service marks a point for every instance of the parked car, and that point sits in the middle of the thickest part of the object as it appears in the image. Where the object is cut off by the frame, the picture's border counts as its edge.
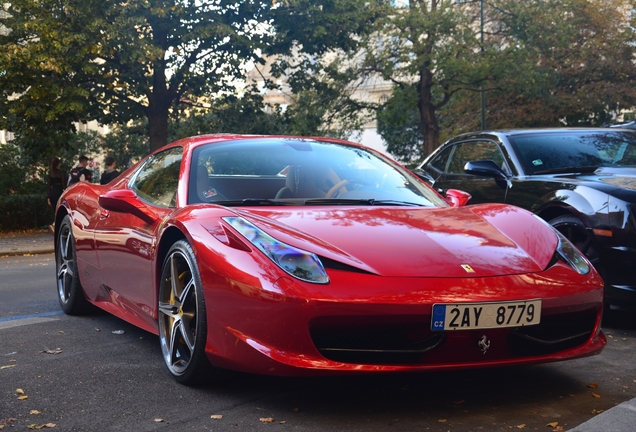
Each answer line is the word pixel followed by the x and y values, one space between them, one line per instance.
pixel 296 256
pixel 582 181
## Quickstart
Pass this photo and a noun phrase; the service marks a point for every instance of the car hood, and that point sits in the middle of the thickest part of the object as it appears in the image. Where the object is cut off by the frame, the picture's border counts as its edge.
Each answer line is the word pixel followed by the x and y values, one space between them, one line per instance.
pixel 623 178
pixel 474 241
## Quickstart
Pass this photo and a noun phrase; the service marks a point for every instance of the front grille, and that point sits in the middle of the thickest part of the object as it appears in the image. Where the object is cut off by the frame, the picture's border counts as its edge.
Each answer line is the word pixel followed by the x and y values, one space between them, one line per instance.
pixel 555 333
pixel 388 343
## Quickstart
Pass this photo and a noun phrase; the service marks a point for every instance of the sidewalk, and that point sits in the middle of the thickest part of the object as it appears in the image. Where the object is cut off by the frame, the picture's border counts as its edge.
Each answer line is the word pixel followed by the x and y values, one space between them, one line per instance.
pixel 621 418
pixel 35 242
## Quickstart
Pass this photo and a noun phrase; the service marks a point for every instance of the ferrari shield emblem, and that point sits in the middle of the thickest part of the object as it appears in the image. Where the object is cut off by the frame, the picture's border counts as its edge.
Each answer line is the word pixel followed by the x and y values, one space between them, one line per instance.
pixel 468 268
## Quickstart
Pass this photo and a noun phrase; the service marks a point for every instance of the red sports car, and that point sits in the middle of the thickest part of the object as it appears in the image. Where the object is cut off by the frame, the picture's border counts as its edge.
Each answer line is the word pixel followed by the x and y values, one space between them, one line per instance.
pixel 297 256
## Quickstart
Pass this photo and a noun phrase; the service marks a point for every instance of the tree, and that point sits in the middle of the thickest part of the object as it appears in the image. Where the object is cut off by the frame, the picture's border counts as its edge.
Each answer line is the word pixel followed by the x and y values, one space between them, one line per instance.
pixel 576 63
pixel 72 60
pixel 315 46
pixel 432 47
pixel 542 63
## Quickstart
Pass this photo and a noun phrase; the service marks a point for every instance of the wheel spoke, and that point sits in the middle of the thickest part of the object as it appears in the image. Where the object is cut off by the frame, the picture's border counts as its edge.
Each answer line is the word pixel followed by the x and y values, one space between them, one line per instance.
pixel 586 244
pixel 188 317
pixel 175 336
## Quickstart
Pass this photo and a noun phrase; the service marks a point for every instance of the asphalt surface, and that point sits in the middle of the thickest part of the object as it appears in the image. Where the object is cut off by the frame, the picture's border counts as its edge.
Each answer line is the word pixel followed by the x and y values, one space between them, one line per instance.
pixel 617 419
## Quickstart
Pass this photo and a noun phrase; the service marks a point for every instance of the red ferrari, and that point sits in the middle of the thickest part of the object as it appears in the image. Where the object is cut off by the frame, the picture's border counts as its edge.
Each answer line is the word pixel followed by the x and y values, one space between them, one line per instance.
pixel 297 256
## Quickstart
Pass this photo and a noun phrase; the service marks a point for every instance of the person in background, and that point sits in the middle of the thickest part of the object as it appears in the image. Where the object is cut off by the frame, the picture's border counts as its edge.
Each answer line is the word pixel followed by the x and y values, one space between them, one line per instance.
pixel 56 182
pixel 80 172
pixel 110 173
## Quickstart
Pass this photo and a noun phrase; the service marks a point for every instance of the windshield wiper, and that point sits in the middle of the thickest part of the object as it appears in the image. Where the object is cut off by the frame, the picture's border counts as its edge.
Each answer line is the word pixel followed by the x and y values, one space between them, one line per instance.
pixel 369 201
pixel 250 202
pixel 567 170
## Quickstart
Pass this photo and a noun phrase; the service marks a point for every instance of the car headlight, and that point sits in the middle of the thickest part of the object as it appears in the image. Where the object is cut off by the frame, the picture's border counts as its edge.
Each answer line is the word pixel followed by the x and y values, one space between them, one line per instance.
pixel 301 264
pixel 571 255
pixel 568 253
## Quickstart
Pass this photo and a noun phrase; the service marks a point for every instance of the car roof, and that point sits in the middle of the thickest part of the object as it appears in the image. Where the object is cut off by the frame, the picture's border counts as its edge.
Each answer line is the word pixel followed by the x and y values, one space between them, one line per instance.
pixel 525 131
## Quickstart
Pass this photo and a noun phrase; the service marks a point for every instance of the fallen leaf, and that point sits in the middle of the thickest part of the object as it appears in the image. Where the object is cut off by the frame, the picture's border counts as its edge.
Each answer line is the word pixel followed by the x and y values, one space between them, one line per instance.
pixel 521 426
pixel 60 331
pixel 19 391
pixel 593 385
pixel 7 366
pixel 96 329
pixel 55 351
pixel 283 422
pixel 553 424
pixel 158 420
pixel 442 420
pixel 216 416
pixel 37 426
pixel 49 425
pixel 118 332
pixel 25 397
pixel 266 420
pixel 35 412
pixel 595 411
pixel 597 396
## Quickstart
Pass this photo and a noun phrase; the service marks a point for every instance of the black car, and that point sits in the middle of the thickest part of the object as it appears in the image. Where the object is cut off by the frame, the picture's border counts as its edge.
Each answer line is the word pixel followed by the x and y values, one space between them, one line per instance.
pixel 582 181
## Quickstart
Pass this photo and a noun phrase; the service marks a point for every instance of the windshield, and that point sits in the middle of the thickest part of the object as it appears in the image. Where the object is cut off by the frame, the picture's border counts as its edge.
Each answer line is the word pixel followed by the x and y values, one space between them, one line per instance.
pixel 555 151
pixel 285 171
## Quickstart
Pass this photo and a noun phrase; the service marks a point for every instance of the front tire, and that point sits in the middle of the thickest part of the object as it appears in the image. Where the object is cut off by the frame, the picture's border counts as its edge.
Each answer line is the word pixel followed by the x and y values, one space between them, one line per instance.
pixel 182 319
pixel 69 289
pixel 575 231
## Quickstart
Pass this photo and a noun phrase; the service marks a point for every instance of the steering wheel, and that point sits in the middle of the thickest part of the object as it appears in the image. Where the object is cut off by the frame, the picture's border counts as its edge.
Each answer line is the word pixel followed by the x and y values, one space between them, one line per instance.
pixel 334 192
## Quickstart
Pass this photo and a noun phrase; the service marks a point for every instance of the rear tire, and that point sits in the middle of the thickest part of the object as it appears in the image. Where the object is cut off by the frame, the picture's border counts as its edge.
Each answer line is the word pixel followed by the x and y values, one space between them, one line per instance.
pixel 69 290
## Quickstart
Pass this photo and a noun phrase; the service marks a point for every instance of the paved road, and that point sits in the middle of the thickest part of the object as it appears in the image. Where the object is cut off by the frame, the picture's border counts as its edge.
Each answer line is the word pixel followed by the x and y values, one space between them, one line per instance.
pixel 81 376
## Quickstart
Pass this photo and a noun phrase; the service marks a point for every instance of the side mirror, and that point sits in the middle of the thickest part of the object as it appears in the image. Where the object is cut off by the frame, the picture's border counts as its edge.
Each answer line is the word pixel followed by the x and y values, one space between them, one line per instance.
pixel 485 168
pixel 126 201
pixel 457 198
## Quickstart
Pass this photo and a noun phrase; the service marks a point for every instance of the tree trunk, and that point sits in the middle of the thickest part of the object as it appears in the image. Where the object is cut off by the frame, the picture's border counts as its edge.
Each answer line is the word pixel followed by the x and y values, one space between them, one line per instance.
pixel 160 98
pixel 430 126
pixel 157 114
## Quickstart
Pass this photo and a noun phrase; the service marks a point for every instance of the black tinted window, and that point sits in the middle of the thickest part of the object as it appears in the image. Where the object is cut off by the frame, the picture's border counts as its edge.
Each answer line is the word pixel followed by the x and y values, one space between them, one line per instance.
pixel 440 161
pixel 543 152
pixel 474 151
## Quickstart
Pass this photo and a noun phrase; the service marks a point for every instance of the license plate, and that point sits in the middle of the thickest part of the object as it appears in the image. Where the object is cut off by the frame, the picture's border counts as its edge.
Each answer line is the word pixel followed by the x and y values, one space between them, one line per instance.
pixel 471 316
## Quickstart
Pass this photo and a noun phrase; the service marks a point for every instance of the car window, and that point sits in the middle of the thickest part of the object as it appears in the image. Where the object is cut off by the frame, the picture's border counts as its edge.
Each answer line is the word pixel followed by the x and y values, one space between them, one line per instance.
pixel 297 170
pixel 158 178
pixel 440 161
pixel 546 151
pixel 474 151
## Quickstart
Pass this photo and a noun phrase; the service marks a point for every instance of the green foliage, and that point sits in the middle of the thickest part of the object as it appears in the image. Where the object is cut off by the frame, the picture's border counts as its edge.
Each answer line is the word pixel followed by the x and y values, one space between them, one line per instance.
pixel 12 173
pixel 72 60
pixel 229 114
pixel 315 44
pixel 127 144
pixel 399 124
pixel 23 212
pixel 542 63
